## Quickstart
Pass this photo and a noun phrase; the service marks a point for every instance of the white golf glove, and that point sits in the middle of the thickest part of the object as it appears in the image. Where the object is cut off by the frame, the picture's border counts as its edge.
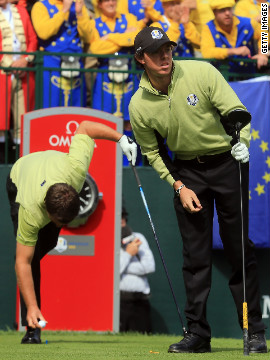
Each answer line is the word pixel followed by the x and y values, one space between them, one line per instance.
pixel 129 148
pixel 240 152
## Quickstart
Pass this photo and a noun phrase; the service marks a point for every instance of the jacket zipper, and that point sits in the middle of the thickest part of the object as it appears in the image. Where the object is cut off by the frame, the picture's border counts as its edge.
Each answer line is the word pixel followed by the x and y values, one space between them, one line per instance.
pixel 168 96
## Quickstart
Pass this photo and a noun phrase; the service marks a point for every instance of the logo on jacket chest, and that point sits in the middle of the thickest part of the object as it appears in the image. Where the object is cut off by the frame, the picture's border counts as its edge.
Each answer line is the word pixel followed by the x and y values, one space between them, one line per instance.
pixel 192 99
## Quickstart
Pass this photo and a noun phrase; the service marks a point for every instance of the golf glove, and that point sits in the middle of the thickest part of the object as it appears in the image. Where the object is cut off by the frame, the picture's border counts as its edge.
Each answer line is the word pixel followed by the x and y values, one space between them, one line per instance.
pixel 129 148
pixel 240 152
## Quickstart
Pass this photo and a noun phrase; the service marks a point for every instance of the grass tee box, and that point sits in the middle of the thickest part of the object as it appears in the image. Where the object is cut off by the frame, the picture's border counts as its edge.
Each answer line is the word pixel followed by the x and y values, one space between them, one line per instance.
pixel 92 346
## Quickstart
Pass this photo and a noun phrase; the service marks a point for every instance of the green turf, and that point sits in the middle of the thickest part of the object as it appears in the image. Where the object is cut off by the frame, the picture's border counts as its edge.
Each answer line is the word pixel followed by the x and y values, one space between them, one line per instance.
pixel 92 346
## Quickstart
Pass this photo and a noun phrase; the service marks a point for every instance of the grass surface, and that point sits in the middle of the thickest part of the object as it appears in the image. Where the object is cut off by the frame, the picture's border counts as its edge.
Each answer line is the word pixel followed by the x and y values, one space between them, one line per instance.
pixel 92 346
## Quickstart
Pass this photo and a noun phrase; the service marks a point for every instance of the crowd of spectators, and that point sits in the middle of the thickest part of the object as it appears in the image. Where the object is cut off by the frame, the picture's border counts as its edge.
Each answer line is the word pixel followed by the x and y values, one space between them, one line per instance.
pixel 216 29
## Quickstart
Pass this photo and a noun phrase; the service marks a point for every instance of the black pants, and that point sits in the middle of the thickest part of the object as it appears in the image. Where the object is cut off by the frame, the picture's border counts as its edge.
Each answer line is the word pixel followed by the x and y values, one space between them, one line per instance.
pixel 135 313
pixel 216 182
pixel 47 240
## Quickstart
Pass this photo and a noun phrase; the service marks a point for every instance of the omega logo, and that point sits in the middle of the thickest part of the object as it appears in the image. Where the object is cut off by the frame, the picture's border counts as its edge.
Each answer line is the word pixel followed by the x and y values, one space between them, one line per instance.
pixel 56 140
pixel 72 124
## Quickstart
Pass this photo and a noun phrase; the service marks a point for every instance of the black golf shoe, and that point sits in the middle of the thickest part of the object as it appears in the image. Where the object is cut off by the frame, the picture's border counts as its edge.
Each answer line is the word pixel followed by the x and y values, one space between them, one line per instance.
pixel 257 343
pixel 191 343
pixel 32 336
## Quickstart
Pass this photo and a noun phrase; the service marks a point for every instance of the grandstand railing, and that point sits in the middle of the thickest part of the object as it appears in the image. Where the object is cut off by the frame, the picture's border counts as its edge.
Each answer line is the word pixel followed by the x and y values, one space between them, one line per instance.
pixel 10 152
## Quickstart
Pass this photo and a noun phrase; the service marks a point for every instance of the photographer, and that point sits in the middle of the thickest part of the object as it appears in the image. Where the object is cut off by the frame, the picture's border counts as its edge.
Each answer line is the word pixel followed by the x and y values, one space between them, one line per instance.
pixel 136 261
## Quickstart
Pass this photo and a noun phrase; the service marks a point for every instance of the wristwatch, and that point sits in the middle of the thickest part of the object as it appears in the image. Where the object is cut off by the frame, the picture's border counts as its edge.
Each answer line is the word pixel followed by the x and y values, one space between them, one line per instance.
pixel 89 198
pixel 179 189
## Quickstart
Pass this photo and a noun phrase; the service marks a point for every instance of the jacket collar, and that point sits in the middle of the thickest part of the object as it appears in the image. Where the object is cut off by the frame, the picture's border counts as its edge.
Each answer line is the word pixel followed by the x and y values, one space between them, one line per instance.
pixel 146 84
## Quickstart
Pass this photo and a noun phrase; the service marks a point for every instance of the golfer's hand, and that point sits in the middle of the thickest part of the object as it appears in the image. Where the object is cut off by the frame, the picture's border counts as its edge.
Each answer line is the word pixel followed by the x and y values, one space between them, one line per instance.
pixel 129 148
pixel 33 316
pixel 190 201
pixel 240 152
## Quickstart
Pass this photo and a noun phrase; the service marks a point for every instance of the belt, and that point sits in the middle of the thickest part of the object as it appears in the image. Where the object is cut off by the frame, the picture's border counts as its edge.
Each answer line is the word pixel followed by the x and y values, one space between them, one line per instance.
pixel 207 158
pixel 127 295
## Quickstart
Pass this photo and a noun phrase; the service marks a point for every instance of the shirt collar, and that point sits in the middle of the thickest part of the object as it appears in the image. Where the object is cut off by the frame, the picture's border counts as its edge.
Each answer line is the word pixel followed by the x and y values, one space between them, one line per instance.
pixel 146 83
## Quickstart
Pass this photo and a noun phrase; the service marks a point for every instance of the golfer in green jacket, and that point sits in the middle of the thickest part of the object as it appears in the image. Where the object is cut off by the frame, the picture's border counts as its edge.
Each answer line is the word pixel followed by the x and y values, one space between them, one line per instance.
pixel 181 103
pixel 43 190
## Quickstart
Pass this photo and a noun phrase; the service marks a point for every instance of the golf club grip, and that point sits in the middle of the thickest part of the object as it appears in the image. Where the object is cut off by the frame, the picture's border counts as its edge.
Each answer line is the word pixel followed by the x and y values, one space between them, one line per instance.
pixel 136 175
pixel 245 328
pixel 245 316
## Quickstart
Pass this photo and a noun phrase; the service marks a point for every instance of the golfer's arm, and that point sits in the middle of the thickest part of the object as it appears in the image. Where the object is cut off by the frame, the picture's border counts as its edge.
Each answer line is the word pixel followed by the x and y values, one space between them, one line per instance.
pixel 177 184
pixel 98 131
pixel 24 255
pixel 146 138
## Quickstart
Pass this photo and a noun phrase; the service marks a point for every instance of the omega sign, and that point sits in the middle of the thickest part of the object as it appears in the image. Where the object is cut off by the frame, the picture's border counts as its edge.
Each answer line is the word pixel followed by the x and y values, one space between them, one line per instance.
pixel 65 140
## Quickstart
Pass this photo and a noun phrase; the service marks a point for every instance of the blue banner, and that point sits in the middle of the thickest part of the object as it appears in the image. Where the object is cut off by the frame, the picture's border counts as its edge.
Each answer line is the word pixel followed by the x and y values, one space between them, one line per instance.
pixel 255 95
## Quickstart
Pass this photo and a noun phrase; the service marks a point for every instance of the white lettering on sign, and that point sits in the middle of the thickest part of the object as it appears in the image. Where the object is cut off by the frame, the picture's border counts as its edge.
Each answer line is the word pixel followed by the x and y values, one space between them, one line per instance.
pixel 56 140
pixel 69 125
pixel 266 306
pixel 61 140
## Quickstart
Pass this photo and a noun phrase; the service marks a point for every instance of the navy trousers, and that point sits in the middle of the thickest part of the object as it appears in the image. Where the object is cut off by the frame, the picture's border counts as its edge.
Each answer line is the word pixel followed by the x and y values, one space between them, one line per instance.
pixel 216 183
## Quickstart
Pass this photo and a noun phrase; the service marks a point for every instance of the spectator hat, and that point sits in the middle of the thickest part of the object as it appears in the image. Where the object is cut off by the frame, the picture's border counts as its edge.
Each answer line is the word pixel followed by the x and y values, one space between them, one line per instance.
pixel 150 39
pixel 221 4
pixel 126 231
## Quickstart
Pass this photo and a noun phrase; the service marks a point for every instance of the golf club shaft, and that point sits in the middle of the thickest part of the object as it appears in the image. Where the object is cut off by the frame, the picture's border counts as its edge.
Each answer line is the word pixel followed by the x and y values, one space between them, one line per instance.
pixel 245 307
pixel 159 249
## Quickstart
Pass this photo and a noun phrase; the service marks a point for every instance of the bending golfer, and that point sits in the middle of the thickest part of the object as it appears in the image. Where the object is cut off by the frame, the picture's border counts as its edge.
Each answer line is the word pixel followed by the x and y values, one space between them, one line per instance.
pixel 182 102
pixel 43 192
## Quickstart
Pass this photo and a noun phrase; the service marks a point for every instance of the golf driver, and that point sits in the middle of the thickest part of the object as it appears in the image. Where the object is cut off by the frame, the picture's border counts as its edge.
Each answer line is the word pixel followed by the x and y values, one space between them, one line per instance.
pixel 159 249
pixel 232 124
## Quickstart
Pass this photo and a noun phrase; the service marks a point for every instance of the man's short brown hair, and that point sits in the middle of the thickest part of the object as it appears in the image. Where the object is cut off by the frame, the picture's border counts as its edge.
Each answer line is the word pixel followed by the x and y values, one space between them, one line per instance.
pixel 62 202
